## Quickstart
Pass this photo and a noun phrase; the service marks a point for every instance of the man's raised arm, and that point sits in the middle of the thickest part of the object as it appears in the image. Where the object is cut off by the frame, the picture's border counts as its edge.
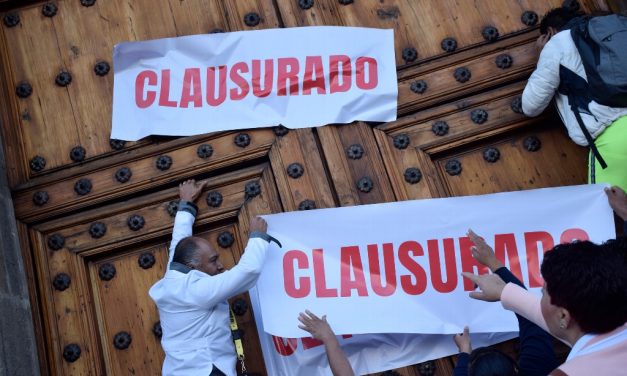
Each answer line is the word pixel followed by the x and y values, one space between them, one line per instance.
pixel 189 191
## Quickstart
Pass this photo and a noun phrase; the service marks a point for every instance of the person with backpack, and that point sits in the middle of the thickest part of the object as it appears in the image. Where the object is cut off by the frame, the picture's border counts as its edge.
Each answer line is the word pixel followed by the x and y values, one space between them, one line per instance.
pixel 583 65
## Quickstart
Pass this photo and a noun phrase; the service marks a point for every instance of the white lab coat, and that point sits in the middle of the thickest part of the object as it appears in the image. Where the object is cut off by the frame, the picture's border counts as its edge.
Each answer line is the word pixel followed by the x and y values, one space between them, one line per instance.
pixel 543 84
pixel 194 311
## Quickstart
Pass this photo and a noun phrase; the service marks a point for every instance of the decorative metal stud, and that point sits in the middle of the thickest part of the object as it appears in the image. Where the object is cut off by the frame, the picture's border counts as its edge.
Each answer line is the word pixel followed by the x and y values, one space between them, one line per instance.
pixel 63 79
pixel 440 128
pixel 204 151
pixel 365 184
pixel 122 340
pixel 449 44
pixel 419 86
pixel 462 74
pixel 71 352
pixel 135 222
pixel 225 239
pixel 490 33
pixel 11 19
pixel 88 3
pixel 123 174
pixel 409 54
pixel 216 31
pixel 453 167
pixel 355 151
pixel 345 2
pixel 49 9
pixel 61 282
pixel 295 170
pixel 479 116
pixel 157 331
pixel 307 205
pixel 280 130
pixel 102 68
pixel 305 4
pixel 252 189
pixel 77 154
pixel 56 242
pixel 491 155
pixel 146 260
pixel 571 5
pixel 239 307
pixel 23 89
pixel 532 143
pixel 40 198
pixel 252 19
pixel 37 163
pixel 401 141
pixel 516 105
pixel 412 175
pixel 172 208
pixel 106 272
pixel 214 199
pixel 529 18
pixel 163 162
pixel 242 140
pixel 97 230
pixel 426 368
pixel 116 144
pixel 504 61
pixel 82 186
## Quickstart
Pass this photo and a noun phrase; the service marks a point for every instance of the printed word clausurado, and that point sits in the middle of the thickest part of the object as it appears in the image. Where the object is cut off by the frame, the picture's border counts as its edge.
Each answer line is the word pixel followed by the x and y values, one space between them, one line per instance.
pixel 304 272
pixel 283 76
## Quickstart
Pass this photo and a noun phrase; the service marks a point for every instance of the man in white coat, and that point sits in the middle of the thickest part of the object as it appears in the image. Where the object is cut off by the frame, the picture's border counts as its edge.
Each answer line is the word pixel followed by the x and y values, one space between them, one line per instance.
pixel 192 295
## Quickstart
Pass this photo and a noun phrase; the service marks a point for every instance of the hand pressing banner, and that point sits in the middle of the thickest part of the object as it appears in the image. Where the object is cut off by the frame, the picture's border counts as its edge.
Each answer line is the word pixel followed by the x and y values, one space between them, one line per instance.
pixel 297 77
pixel 395 268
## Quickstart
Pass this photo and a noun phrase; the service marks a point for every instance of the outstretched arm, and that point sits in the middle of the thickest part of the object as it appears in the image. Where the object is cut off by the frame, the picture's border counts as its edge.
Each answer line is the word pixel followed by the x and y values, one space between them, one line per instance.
pixel 462 341
pixel 189 191
pixel 320 330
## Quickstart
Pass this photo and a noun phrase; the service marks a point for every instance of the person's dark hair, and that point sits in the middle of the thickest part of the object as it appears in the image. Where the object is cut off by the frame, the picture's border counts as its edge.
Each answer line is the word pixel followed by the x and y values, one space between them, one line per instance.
pixel 589 281
pixel 618 245
pixel 186 251
pixel 486 361
pixel 557 18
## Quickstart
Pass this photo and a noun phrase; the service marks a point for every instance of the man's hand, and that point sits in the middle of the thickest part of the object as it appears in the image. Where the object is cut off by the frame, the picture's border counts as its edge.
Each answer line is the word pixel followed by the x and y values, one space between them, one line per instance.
pixel 462 341
pixel 483 253
pixel 258 224
pixel 189 190
pixel 618 201
pixel 543 39
pixel 318 328
pixel 491 286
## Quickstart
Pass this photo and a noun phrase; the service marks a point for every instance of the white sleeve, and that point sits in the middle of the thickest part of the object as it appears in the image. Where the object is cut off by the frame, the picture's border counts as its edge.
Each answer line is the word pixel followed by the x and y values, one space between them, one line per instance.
pixel 208 292
pixel 543 82
pixel 183 223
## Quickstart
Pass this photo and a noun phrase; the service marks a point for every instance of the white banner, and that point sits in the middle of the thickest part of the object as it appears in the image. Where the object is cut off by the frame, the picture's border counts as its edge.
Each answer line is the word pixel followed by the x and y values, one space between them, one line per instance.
pixel 298 77
pixel 367 353
pixel 395 267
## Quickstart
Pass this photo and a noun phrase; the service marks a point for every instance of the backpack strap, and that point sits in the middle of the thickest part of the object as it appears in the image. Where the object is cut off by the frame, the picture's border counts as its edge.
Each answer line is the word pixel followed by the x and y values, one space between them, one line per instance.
pixel 577 91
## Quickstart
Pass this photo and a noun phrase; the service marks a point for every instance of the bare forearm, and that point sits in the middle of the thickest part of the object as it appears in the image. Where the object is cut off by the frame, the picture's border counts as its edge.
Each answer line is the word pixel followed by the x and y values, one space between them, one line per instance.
pixel 337 359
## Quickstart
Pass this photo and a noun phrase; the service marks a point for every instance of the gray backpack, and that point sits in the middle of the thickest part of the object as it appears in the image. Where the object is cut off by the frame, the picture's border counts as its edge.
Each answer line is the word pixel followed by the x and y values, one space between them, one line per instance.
pixel 602 44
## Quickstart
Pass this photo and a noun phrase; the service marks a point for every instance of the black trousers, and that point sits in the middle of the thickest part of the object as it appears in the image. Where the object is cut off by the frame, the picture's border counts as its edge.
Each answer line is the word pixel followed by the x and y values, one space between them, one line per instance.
pixel 216 372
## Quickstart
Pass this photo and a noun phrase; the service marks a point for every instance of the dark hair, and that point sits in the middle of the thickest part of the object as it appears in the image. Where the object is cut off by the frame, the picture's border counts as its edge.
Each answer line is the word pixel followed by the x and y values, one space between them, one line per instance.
pixel 618 245
pixel 557 18
pixel 186 251
pixel 589 281
pixel 486 361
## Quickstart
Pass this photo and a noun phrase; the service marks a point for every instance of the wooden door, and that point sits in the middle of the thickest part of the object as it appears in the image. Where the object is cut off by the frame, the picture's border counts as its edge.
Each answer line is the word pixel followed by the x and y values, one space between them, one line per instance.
pixel 94 215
